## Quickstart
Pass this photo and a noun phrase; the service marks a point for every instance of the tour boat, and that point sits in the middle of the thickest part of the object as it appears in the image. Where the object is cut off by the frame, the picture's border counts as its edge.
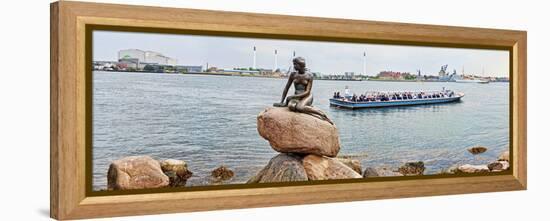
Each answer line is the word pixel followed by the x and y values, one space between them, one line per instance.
pixel 391 99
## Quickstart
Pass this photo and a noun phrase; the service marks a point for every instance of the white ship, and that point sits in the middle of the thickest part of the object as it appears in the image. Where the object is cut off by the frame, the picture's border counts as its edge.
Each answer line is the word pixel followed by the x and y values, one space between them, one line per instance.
pixel 460 79
pixel 479 81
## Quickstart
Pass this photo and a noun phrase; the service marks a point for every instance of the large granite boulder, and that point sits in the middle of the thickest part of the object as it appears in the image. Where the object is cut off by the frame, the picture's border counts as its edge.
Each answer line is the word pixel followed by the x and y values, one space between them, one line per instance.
pixel 412 168
pixel 136 172
pixel 291 132
pixel 352 163
pixel 380 172
pixel 324 168
pixel 177 171
pixel 468 168
pixel 281 168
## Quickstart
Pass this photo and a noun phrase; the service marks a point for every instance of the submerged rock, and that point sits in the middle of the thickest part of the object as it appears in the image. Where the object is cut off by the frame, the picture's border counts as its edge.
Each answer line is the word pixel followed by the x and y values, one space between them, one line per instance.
pixel 352 163
pixel 281 168
pixel 477 150
pixel 291 132
pixel 177 171
pixel 412 168
pixel 222 173
pixel 324 168
pixel 136 172
pixel 380 172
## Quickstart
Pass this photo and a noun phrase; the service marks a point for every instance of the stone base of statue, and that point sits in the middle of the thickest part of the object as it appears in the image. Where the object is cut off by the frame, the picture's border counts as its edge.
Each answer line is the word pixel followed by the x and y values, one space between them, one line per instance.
pixel 292 132
pixel 307 145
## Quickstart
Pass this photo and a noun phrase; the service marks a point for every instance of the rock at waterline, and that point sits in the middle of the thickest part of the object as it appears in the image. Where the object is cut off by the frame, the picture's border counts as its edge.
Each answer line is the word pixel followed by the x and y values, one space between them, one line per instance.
pixel 379 172
pixel 450 170
pixel 412 168
pixel 136 172
pixel 504 156
pixel 467 168
pixel 281 168
pixel 222 173
pixel 324 168
pixel 291 132
pixel 498 166
pixel 352 163
pixel 177 171
pixel 477 150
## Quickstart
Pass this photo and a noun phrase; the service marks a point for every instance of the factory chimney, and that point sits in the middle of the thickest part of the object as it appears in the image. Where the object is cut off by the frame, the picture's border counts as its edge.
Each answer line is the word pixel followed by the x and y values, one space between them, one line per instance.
pixel 275 67
pixel 254 62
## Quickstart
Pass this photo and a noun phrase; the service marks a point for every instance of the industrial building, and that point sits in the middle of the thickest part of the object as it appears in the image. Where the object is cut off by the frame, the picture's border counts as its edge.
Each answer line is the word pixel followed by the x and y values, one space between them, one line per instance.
pixel 150 57
pixel 188 68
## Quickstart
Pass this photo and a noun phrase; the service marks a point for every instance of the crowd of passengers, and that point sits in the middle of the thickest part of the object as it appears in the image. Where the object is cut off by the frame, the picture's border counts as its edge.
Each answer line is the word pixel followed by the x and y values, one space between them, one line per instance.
pixel 393 96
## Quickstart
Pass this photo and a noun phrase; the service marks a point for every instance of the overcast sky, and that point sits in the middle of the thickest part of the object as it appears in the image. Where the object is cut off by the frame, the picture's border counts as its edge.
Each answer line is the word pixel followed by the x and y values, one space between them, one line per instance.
pixel 324 57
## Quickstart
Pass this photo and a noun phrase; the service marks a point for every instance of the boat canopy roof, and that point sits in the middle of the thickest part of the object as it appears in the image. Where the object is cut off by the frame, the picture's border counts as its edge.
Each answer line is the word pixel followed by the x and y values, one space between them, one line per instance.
pixel 407 91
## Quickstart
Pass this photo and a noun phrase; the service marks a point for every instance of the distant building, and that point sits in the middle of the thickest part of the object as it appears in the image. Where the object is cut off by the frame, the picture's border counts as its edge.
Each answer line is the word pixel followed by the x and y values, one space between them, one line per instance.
pixel 129 63
pixel 212 69
pixel 142 65
pixel 155 68
pixel 242 72
pixel 392 75
pixel 349 75
pixel 146 57
pixel 265 72
pixel 132 53
pixel 186 68
pixel 104 65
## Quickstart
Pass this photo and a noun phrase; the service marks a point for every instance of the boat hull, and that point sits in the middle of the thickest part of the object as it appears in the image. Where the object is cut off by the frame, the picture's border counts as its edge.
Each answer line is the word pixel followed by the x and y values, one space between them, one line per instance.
pixel 472 81
pixel 393 103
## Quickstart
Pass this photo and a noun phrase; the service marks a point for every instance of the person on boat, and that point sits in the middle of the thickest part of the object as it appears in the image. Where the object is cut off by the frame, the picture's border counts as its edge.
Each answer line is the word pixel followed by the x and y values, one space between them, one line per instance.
pixel 347 93
pixel 302 99
pixel 362 98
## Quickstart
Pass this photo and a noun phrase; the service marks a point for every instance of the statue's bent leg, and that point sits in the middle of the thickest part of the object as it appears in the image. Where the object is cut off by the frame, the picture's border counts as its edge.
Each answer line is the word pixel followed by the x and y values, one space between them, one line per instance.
pixel 304 108
pixel 292 105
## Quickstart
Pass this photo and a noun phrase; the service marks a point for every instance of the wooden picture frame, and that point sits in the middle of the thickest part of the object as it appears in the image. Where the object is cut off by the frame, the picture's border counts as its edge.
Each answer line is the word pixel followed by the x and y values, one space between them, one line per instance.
pixel 68 114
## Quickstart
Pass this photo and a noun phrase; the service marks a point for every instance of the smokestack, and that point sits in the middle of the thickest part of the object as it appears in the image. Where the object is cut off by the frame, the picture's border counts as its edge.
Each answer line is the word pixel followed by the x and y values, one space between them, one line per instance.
pixel 254 62
pixel 275 68
pixel 365 63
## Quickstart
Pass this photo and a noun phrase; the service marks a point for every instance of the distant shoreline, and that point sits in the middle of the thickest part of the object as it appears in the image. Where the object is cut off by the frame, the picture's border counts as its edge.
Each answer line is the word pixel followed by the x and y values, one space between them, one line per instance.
pixel 275 77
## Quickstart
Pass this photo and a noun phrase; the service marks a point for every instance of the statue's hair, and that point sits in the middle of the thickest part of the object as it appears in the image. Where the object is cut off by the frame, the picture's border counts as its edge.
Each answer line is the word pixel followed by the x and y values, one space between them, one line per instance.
pixel 300 60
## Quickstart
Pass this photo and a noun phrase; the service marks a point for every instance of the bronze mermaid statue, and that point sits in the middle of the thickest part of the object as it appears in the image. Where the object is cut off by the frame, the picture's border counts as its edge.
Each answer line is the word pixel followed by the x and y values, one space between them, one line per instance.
pixel 302 99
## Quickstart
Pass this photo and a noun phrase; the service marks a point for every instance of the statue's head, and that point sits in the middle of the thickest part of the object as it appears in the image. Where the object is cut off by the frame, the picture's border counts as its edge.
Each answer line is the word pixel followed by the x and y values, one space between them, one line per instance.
pixel 299 63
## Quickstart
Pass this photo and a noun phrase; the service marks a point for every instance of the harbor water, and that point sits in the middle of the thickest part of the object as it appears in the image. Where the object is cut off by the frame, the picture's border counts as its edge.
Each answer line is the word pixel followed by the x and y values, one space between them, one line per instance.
pixel 209 121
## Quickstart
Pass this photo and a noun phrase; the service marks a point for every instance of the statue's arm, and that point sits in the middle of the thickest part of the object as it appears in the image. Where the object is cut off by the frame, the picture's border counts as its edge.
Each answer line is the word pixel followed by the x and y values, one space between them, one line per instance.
pixel 288 83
